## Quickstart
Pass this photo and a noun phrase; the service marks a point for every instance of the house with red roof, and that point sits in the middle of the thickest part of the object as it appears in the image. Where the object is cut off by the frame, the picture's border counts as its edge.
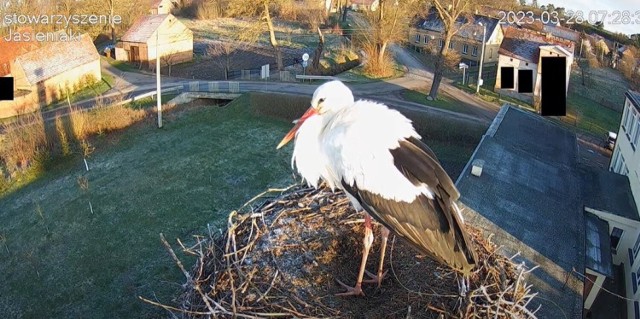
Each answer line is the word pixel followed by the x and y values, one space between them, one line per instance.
pixel 50 71
pixel 10 50
pixel 520 60
pixel 160 6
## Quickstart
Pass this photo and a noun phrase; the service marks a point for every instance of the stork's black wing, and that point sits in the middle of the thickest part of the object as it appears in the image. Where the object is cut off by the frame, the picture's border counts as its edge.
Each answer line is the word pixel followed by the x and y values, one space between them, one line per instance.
pixel 431 225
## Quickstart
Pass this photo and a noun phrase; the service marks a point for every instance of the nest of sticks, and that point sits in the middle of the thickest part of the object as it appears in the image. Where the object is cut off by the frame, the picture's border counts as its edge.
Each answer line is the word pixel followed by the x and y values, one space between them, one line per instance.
pixel 283 251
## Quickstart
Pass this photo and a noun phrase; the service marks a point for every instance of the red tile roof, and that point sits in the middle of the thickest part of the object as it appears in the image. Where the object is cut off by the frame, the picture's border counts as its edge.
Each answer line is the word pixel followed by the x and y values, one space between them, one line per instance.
pixel 10 50
pixel 524 44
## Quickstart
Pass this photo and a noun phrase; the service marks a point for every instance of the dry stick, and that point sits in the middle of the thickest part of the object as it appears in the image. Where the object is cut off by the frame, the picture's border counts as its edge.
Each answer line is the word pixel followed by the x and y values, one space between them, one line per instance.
pixel 270 286
pixel 173 308
pixel 186 274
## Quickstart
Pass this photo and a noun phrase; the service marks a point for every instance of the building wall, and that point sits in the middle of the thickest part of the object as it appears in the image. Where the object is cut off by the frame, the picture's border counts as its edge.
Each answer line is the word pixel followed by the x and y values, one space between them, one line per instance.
pixel 54 88
pixel 553 51
pixel 491 46
pixel 625 159
pixel 71 80
pixel 175 40
pixel 163 8
pixel 517 64
pixel 627 254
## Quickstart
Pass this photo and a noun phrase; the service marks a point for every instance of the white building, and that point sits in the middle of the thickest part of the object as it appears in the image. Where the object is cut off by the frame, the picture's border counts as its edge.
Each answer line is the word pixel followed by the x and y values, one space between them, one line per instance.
pixel 520 62
pixel 626 161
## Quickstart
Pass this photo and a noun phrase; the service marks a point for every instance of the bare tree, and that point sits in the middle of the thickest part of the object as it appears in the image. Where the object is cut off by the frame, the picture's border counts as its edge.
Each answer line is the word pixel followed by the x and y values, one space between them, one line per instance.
pixel 448 11
pixel 221 54
pixel 388 25
pixel 315 64
pixel 262 9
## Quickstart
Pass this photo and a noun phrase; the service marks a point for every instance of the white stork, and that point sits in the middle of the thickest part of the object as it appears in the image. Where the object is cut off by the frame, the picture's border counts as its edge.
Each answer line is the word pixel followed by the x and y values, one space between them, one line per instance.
pixel 375 155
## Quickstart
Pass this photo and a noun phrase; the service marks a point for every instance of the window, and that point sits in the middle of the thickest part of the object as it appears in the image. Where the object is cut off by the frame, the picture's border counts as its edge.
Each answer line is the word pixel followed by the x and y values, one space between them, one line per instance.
pixel 616 158
pixel 490 53
pixel 620 166
pixel 418 38
pixel 506 77
pixel 636 135
pixel 465 48
pixel 636 309
pixel 426 39
pixel 635 279
pixel 475 51
pixel 633 119
pixel 441 43
pixel 450 44
pixel 626 118
pixel 615 236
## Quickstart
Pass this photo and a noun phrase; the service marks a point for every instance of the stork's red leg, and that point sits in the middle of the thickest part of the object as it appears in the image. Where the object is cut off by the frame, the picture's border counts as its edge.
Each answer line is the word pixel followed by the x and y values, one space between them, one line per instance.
pixel 367 241
pixel 378 278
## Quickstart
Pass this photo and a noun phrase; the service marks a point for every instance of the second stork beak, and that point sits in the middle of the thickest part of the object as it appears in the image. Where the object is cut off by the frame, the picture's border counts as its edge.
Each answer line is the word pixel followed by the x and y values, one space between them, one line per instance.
pixel 292 133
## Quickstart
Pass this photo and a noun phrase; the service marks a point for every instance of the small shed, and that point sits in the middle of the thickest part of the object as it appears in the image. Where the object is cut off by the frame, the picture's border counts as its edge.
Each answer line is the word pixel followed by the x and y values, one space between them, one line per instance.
pixel 161 34
pixel 57 68
pixel 160 7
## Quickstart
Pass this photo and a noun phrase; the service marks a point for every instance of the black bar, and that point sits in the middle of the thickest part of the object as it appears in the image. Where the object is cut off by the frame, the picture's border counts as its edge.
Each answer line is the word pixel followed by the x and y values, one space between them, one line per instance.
pixel 6 88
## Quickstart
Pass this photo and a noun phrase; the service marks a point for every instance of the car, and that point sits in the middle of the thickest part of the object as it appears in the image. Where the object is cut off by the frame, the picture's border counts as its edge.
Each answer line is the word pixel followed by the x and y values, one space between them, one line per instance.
pixel 611 140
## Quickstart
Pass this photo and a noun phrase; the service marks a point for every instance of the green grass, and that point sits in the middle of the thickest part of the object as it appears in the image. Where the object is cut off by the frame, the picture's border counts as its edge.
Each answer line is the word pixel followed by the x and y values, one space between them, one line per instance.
pixel 591 117
pixel 151 101
pixel 444 101
pixel 104 85
pixel 121 65
pixel 58 260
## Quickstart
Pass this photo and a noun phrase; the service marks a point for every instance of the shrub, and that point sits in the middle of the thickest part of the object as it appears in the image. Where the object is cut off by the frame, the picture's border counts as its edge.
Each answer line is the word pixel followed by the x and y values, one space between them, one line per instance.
pixel 282 106
pixel 23 140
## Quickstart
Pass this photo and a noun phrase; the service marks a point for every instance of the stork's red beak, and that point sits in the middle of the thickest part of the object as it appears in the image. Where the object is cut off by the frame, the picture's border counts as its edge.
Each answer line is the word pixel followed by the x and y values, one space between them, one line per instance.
pixel 309 113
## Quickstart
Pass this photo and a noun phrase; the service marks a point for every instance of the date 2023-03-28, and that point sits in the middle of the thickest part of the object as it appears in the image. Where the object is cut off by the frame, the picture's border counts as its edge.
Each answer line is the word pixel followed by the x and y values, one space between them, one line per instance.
pixel 609 17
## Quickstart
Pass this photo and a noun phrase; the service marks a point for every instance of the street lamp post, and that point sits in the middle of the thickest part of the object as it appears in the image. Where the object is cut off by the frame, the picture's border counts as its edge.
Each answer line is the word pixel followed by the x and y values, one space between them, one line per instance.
pixel 158 89
pixel 484 32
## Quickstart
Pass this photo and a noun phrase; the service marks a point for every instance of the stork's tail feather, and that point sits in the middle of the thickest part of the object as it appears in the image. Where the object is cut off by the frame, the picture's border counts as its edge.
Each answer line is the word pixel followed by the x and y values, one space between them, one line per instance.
pixel 467 259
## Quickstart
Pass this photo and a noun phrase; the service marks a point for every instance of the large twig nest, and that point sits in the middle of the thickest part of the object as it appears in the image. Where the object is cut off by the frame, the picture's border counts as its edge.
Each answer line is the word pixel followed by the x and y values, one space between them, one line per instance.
pixel 280 257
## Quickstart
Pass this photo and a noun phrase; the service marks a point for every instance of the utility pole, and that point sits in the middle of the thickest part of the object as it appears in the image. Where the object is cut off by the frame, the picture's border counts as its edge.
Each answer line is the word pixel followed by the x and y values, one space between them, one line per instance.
pixel 484 31
pixel 158 89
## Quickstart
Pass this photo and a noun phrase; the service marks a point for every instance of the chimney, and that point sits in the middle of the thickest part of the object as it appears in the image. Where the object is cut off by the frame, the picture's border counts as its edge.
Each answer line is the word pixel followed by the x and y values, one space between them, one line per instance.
pixel 476 168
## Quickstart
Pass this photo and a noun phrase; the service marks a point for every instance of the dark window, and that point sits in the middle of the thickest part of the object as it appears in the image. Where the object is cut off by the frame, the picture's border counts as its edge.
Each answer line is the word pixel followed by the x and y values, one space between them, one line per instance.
pixel 616 234
pixel 506 77
pixel 525 81
pixel 636 309
pixel 553 86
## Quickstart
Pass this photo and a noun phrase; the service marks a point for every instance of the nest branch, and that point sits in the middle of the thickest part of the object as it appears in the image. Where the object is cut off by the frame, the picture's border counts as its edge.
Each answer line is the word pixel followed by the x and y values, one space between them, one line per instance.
pixel 282 251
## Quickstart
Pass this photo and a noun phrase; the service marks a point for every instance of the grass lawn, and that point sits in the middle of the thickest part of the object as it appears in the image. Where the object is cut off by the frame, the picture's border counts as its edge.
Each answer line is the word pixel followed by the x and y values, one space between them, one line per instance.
pixel 121 65
pixel 444 101
pixel 59 260
pixel 591 117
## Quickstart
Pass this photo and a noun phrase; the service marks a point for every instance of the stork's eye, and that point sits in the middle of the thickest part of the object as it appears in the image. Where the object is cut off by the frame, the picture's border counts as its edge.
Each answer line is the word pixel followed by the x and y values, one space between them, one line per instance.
pixel 321 100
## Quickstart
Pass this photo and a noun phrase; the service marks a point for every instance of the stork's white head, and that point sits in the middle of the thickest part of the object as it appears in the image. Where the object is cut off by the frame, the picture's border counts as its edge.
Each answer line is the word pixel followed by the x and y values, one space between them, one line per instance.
pixel 331 96
pixel 328 98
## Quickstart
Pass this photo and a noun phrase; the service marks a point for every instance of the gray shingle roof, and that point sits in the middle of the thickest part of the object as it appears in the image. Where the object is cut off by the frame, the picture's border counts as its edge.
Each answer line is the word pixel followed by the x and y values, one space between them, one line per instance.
pixel 634 97
pixel 57 57
pixel 530 196
pixel 562 32
pixel 144 28
pixel 608 191
pixel 468 28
